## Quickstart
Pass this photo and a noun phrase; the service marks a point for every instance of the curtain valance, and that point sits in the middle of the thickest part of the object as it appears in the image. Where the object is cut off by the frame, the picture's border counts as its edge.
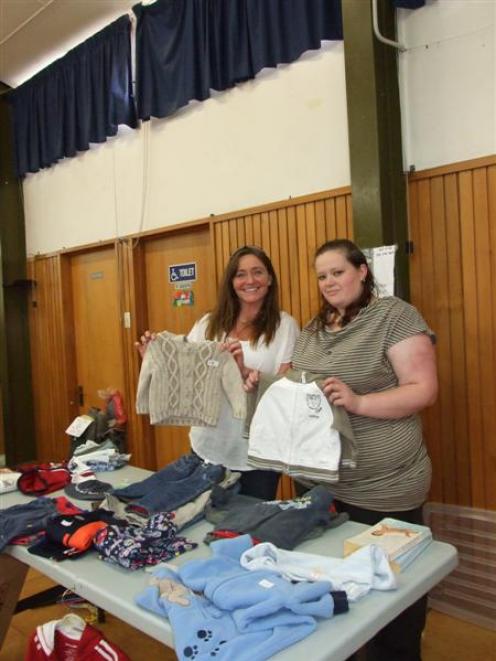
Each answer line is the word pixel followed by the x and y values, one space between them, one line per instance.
pixel 185 48
pixel 79 99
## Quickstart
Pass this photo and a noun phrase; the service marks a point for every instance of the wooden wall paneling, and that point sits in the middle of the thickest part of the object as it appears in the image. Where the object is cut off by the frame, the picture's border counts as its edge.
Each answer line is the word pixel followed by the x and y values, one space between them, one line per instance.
pixel 140 437
pixel 240 231
pixel 415 269
pixel 275 243
pixel 417 212
pixel 330 218
pixel 472 334
pixel 453 224
pixel 233 235
pixel 293 252
pixel 285 284
pixel 313 291
pixel 248 231
pixel 486 320
pixel 320 224
pixel 341 217
pixel 218 249
pixel 257 231
pixel 65 323
pixel 51 340
pixel 302 246
pixel 458 381
pixel 428 308
pixel 226 242
pixel 265 230
pixel 349 218
pixel 491 447
pixel 442 329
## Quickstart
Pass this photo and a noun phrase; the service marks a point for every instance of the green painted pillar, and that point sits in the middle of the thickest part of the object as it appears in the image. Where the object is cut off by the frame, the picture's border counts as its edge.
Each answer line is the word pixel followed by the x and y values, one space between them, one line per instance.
pixel 374 124
pixel 15 290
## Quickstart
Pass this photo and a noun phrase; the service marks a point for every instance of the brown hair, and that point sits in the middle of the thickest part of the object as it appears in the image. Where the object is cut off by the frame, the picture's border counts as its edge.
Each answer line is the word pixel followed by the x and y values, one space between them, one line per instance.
pixel 225 314
pixel 356 258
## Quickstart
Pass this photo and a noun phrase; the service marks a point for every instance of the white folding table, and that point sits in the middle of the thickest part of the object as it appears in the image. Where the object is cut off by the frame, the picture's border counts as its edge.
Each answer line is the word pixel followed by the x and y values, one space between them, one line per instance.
pixel 113 588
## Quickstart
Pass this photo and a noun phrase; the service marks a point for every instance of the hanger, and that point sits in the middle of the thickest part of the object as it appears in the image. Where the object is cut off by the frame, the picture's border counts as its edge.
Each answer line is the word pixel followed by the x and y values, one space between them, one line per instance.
pixel 72 625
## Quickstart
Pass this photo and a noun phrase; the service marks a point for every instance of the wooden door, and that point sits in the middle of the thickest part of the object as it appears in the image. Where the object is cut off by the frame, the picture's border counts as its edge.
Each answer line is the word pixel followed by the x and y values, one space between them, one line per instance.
pixel 97 329
pixel 160 254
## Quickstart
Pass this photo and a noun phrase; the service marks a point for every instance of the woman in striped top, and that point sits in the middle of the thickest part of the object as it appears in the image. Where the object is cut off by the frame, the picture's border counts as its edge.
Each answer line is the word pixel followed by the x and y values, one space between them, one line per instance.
pixel 378 358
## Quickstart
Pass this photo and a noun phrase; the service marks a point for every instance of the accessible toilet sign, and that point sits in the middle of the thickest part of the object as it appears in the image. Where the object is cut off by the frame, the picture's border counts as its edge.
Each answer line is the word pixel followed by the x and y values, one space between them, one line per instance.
pixel 182 272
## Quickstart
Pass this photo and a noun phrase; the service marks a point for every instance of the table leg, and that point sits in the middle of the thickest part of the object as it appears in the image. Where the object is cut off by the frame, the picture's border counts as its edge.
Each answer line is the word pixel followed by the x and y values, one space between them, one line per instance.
pixel 12 575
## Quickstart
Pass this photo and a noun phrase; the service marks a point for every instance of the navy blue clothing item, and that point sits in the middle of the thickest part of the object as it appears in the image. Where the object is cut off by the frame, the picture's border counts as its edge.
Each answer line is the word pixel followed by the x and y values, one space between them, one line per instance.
pixel 259 484
pixel 176 484
pixel 25 519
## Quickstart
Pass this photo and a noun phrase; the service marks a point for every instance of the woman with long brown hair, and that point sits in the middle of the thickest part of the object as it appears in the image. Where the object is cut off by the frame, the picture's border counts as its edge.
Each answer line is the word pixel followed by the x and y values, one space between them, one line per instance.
pixel 261 337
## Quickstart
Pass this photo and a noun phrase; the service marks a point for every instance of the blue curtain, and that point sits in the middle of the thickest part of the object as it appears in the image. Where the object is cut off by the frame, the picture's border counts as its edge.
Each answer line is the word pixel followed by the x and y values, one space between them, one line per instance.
pixel 79 99
pixel 185 48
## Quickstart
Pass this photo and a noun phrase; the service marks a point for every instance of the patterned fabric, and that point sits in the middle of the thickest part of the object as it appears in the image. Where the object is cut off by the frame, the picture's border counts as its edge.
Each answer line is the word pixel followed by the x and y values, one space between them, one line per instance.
pixel 134 547
pixel 393 470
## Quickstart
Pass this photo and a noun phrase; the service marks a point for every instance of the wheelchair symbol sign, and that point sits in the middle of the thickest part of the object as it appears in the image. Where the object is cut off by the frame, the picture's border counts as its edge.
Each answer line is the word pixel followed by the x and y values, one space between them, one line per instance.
pixel 182 272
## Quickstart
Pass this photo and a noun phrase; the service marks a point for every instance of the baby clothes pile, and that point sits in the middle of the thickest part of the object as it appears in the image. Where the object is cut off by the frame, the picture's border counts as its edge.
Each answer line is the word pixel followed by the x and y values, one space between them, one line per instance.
pixel 219 609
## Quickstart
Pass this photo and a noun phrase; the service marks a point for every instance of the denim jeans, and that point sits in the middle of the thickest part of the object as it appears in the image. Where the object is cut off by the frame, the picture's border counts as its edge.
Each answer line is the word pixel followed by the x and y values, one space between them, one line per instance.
pixel 173 486
pixel 25 519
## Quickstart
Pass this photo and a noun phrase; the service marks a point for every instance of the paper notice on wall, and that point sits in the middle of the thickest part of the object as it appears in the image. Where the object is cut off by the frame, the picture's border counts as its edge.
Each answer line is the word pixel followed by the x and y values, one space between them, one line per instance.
pixel 381 261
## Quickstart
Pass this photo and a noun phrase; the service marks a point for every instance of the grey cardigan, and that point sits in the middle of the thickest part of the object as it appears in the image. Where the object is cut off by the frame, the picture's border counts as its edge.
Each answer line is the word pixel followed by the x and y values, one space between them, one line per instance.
pixel 182 383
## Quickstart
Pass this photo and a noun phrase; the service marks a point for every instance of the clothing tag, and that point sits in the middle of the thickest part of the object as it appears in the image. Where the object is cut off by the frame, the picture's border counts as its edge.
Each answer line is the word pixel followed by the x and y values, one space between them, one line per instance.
pixel 303 377
pixel 264 583
pixel 79 425
pixel 66 523
pixel 212 363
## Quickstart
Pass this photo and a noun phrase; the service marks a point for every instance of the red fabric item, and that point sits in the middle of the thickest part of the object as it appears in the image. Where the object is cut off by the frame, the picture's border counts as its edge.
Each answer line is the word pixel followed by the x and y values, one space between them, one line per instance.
pixel 225 534
pixel 40 479
pixel 116 408
pixel 64 506
pixel 229 534
pixel 47 642
pixel 27 540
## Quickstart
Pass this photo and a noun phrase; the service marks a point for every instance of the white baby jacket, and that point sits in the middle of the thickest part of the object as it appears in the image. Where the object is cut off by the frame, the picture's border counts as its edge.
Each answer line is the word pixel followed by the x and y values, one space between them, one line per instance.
pixel 296 431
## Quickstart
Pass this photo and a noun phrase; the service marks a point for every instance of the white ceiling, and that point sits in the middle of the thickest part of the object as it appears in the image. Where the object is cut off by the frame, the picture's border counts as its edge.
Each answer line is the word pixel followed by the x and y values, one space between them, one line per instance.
pixel 33 33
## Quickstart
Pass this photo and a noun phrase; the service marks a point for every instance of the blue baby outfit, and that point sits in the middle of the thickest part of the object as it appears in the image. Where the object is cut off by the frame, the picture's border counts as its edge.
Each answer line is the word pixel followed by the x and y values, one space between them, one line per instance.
pixel 242 615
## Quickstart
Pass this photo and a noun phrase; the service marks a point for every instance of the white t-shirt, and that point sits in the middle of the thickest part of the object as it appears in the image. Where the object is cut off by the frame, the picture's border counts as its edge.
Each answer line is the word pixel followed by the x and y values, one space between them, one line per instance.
pixel 224 444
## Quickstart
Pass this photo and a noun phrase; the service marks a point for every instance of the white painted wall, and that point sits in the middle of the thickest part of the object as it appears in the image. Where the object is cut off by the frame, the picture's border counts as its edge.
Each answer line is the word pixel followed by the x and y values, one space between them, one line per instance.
pixel 284 134
pixel 448 81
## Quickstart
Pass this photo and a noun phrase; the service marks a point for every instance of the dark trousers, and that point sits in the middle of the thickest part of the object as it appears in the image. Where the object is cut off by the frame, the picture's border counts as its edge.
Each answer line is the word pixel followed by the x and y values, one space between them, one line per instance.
pixel 400 639
pixel 259 484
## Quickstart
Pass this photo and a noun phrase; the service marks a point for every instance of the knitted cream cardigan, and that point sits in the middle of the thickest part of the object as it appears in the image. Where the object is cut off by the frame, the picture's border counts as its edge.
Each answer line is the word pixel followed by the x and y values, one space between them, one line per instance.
pixel 181 382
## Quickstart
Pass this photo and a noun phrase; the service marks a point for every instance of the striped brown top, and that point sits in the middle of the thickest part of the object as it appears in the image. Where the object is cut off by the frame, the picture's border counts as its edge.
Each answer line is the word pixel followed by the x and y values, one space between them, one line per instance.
pixel 393 472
